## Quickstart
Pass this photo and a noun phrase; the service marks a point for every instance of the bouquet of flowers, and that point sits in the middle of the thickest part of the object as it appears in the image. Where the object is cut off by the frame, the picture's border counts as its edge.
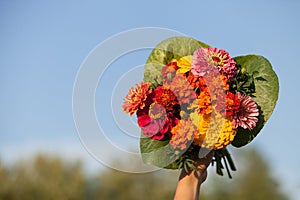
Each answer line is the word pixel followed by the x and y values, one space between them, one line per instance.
pixel 195 98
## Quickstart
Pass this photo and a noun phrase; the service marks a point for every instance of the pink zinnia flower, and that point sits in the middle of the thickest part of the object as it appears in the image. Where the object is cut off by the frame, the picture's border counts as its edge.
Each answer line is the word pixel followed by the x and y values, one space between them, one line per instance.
pixel 136 98
pixel 246 117
pixel 206 60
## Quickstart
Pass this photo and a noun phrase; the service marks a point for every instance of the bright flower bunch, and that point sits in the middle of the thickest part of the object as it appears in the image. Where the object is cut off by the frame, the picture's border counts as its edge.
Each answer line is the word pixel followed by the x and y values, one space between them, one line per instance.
pixel 201 99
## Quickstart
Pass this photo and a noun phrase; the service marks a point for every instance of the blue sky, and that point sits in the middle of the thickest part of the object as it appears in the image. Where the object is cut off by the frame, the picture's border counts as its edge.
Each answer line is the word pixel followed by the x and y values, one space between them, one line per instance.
pixel 43 44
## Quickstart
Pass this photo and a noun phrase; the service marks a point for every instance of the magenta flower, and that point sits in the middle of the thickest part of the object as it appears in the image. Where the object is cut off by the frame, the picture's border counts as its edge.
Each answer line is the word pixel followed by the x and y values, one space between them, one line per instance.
pixel 155 122
pixel 246 117
pixel 205 60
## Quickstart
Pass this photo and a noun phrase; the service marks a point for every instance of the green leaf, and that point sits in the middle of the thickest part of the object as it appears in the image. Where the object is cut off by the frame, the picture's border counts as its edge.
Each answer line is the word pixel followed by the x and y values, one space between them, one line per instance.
pixel 158 153
pixel 266 94
pixel 164 52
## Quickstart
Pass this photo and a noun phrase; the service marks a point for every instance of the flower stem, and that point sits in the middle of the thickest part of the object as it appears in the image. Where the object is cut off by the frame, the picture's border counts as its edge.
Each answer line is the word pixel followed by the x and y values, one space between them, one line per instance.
pixel 223 154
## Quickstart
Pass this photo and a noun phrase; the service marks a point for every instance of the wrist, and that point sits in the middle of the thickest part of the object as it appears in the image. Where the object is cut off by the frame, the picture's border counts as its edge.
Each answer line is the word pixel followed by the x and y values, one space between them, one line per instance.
pixel 194 176
pixel 189 184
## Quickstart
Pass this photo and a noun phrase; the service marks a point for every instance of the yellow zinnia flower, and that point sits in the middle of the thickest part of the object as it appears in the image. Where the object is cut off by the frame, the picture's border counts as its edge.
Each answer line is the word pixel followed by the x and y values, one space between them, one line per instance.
pixel 184 64
pixel 215 134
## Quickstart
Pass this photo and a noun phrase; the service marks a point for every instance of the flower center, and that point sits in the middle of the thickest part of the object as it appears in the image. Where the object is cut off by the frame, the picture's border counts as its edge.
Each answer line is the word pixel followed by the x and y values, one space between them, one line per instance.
pixel 157 111
pixel 216 59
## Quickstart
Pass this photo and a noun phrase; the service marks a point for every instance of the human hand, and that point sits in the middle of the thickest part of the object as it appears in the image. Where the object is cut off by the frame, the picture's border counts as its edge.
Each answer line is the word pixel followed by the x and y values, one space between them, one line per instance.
pixel 189 182
pixel 201 165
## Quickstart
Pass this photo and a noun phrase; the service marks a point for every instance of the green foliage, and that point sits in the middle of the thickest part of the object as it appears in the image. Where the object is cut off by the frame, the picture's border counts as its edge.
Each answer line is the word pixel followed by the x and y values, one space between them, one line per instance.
pixel 124 186
pixel 52 178
pixel 266 94
pixel 43 178
pixel 243 81
pixel 164 52
pixel 256 181
pixel 156 152
pixel 162 154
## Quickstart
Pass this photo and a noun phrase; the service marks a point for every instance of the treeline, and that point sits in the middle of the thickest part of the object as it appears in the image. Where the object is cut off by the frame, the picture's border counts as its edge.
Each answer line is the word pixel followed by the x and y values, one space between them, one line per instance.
pixel 47 177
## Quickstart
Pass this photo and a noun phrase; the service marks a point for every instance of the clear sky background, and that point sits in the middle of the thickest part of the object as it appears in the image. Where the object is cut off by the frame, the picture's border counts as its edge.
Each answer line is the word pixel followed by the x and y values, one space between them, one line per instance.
pixel 43 43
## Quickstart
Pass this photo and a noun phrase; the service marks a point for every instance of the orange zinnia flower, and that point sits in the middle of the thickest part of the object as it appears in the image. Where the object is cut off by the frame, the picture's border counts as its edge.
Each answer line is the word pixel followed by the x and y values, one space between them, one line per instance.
pixel 136 98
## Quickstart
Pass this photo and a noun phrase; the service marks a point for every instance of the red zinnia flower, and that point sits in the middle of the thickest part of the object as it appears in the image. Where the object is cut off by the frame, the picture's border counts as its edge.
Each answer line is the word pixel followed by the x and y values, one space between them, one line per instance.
pixel 155 121
pixel 165 97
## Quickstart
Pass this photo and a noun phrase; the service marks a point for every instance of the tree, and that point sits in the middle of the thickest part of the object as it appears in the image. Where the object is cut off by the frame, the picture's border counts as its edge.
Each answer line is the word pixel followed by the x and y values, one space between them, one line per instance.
pixel 47 177
pixel 43 178
pixel 256 181
pixel 123 186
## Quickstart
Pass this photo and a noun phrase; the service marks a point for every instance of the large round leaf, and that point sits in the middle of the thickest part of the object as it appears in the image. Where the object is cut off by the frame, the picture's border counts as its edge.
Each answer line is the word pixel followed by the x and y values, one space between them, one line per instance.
pixel 158 153
pixel 266 94
pixel 164 52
